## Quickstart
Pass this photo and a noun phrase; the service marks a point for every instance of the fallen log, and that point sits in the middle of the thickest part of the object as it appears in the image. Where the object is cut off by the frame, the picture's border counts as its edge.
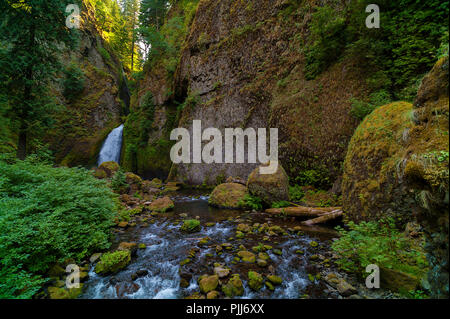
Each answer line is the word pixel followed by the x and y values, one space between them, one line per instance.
pixel 323 218
pixel 301 211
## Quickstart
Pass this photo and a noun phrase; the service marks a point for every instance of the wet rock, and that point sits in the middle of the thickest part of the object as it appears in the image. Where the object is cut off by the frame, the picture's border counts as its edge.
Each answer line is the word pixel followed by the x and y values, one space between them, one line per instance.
pixel 131 247
pixel 212 295
pixel 56 271
pixel 233 287
pixel 228 195
pixel 58 293
pixel 125 288
pixel 247 256
pixel 269 285
pixel 261 262
pixel 123 224
pixel 275 280
pixel 162 205
pixel 396 280
pixel 243 228
pixel 343 287
pixel 95 257
pixel 113 262
pixel 191 226
pixel 221 272
pixel 142 272
pixel 184 283
pixel 255 280
pixel 208 283
pixel 269 187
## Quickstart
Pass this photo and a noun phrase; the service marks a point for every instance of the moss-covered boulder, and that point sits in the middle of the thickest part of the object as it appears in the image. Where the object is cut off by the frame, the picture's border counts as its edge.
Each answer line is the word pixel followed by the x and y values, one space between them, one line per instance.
pixel 397 165
pixel 111 263
pixel 134 181
pixel 233 287
pixel 191 226
pixel 255 280
pixel 228 195
pixel 161 205
pixel 208 283
pixel 110 168
pixel 269 187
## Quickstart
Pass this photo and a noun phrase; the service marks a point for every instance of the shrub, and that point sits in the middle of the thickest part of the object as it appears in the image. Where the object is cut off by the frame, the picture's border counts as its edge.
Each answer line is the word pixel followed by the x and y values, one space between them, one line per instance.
pixel 47 215
pixel 296 193
pixel 361 109
pixel 378 243
pixel 119 182
pixel 252 202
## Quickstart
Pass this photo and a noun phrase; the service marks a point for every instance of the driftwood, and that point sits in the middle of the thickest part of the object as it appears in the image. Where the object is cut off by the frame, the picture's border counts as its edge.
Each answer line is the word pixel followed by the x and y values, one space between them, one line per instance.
pixel 301 211
pixel 323 218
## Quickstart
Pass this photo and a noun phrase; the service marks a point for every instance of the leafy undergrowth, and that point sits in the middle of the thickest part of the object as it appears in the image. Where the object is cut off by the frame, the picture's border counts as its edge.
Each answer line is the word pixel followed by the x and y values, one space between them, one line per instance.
pixel 48 215
pixel 379 243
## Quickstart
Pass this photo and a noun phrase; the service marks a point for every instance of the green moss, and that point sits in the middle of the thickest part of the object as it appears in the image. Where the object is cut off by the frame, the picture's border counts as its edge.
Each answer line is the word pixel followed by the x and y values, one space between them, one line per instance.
pixel 190 226
pixel 111 263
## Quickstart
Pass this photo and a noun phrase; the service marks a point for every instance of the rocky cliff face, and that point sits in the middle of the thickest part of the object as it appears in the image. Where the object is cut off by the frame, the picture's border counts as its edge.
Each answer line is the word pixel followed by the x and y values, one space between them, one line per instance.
pixel 242 67
pixel 84 121
pixel 243 62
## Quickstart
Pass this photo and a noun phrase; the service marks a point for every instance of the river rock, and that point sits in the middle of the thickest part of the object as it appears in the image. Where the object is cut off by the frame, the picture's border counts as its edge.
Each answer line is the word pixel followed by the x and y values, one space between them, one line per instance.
pixel 190 226
pixel 269 187
pixel 162 205
pixel 228 195
pixel 343 287
pixel 275 280
pixel 111 263
pixel 233 287
pixel 131 247
pixel 247 256
pixel 243 228
pixel 221 272
pixel 212 295
pixel 95 257
pixel 208 283
pixel 255 280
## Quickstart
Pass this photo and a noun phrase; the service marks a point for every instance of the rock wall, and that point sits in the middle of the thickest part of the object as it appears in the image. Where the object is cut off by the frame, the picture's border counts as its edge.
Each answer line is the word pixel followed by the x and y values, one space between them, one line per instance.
pixel 243 66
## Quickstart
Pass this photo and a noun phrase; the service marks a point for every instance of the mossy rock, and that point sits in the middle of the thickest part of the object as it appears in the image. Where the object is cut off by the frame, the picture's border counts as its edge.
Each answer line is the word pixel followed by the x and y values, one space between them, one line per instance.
pixel 247 256
pixel 269 187
pixel 208 283
pixel 233 287
pixel 255 280
pixel 110 168
pixel 275 280
pixel 228 195
pixel 111 263
pixel 191 226
pixel 161 205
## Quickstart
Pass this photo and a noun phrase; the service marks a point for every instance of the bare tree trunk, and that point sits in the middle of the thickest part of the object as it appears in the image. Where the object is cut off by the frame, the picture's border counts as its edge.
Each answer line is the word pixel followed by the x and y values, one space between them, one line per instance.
pixel 324 218
pixel 301 211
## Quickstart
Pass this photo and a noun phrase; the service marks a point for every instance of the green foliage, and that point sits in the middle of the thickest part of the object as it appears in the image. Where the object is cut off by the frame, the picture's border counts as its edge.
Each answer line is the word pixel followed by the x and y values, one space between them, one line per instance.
pixel 252 202
pixel 378 243
pixel 147 118
pixel 296 193
pixel 418 294
pixel 360 109
pixel 281 204
pixel 327 34
pixel 190 226
pixel 119 181
pixel 312 177
pixel 47 215
pixel 74 82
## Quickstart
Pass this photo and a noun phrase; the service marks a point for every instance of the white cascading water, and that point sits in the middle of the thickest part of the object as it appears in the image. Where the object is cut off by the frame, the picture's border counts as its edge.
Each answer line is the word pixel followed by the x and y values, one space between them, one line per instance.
pixel 110 151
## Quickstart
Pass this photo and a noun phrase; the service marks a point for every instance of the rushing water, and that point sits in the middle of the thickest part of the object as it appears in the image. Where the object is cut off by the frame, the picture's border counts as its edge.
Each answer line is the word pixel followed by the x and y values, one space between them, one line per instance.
pixel 110 151
pixel 167 247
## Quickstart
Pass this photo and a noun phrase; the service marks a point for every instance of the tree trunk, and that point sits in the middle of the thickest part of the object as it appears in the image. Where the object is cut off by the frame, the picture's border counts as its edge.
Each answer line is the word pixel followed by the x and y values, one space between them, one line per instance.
pixel 301 211
pixel 323 218
pixel 22 144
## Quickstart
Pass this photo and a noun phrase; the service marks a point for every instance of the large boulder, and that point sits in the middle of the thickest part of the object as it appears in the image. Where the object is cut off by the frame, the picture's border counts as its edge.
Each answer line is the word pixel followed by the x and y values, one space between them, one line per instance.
pixel 269 187
pixel 228 195
pixel 110 168
pixel 397 166
pixel 233 287
pixel 162 205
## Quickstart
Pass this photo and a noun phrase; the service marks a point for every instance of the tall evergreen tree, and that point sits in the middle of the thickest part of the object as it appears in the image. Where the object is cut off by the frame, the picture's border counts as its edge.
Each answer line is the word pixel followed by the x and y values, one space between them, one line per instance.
pixel 32 33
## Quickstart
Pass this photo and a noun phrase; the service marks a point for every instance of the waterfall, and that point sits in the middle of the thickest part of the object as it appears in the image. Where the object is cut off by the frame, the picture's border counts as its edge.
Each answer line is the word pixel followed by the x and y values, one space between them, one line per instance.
pixel 110 151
